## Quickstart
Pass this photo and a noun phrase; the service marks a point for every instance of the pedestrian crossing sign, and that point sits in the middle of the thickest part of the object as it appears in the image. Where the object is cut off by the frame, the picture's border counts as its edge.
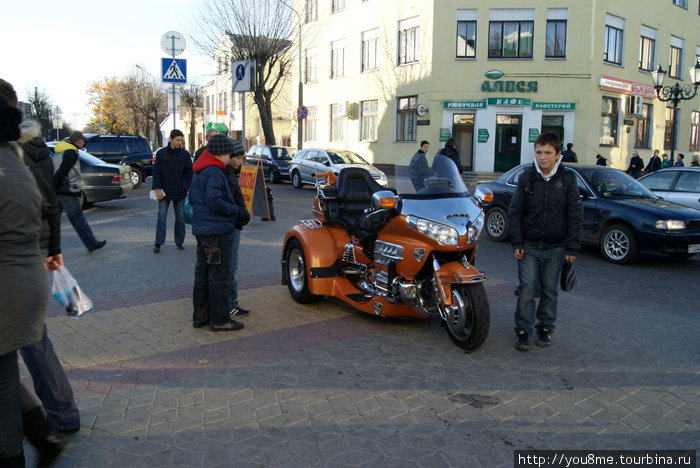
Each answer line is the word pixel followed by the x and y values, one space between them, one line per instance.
pixel 174 70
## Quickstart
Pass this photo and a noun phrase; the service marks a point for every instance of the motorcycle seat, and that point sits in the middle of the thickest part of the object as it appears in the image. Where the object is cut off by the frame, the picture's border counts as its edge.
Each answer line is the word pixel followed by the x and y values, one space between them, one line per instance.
pixel 355 189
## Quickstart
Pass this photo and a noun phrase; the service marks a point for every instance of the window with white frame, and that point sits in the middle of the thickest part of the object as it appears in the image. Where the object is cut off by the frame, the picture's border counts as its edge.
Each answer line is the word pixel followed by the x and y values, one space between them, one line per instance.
pixel 406 118
pixel 675 66
pixel 511 33
pixel 310 125
pixel 337 5
pixel 695 131
pixel 681 3
pixel 608 121
pixel 370 42
pixel 642 138
pixel 337 122
pixel 466 34
pixel 409 40
pixel 614 40
pixel 338 58
pixel 647 49
pixel 311 10
pixel 311 66
pixel 555 40
pixel 368 120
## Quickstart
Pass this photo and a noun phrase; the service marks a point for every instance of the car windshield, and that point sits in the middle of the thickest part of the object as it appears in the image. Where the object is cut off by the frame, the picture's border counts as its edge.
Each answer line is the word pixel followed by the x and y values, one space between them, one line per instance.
pixel 611 183
pixel 282 154
pixel 422 176
pixel 345 157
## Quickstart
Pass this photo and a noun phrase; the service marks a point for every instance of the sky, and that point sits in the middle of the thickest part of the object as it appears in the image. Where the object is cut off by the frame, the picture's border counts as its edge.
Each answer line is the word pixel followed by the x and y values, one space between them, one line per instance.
pixel 63 46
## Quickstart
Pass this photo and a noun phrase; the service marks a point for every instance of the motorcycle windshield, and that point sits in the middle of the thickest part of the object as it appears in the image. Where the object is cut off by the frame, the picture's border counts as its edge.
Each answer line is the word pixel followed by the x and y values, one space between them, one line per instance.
pixel 424 176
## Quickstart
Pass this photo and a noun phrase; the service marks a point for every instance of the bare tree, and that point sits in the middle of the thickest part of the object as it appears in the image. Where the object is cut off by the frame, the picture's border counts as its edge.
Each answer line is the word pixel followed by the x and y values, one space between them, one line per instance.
pixel 251 29
pixel 147 98
pixel 40 108
pixel 191 101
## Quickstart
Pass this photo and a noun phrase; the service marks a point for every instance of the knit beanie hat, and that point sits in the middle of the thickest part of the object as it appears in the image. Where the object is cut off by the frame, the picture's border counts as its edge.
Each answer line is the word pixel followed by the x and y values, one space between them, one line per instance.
pixel 10 118
pixel 219 145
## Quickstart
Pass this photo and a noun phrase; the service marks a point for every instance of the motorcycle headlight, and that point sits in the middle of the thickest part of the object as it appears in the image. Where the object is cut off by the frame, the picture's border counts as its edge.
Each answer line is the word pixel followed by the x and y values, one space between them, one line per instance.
pixel 443 234
pixel 670 224
pixel 475 228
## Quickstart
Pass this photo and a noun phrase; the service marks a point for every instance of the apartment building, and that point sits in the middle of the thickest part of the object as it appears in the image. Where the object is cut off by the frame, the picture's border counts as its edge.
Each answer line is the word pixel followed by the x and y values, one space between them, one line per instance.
pixel 379 76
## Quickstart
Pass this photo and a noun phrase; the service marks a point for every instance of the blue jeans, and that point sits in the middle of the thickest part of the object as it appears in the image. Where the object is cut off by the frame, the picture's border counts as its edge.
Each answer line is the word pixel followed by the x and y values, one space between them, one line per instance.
pixel 538 267
pixel 51 385
pixel 211 280
pixel 179 209
pixel 71 205
pixel 234 240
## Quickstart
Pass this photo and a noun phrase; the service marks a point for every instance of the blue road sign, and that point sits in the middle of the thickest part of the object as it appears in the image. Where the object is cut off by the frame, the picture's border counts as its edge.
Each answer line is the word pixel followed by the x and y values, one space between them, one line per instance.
pixel 174 70
pixel 240 72
pixel 302 112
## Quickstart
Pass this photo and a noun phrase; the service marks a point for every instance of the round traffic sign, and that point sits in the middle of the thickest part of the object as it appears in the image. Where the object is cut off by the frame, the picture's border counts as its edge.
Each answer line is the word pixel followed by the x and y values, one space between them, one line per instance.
pixel 302 112
pixel 172 43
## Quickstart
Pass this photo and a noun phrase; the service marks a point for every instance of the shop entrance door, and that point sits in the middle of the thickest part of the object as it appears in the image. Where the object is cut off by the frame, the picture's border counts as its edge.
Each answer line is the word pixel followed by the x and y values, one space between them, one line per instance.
pixel 554 124
pixel 508 139
pixel 463 131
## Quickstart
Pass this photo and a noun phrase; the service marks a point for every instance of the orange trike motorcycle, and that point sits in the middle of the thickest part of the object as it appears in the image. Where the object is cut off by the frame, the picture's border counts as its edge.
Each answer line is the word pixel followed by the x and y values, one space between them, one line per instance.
pixel 404 252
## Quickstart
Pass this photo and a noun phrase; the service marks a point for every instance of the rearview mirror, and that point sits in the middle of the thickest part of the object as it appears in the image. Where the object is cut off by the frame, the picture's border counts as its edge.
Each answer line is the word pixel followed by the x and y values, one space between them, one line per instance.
pixel 383 199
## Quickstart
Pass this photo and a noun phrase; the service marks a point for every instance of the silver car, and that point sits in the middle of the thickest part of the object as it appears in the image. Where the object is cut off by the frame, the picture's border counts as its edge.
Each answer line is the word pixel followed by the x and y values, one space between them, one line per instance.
pixel 677 184
pixel 311 161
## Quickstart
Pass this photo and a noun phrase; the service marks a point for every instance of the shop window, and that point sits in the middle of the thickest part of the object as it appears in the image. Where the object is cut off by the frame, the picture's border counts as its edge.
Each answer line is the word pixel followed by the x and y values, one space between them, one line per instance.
pixel 406 118
pixel 608 121
pixel 510 39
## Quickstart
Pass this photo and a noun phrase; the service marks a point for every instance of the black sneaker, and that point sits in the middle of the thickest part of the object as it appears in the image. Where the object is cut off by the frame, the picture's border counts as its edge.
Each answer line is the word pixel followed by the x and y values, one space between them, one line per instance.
pixel 238 312
pixel 200 324
pixel 99 245
pixel 523 342
pixel 156 248
pixel 543 338
pixel 230 326
pixel 180 247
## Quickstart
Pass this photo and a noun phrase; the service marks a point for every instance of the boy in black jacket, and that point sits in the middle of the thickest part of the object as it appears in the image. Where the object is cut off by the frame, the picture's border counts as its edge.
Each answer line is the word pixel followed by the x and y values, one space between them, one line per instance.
pixel 545 217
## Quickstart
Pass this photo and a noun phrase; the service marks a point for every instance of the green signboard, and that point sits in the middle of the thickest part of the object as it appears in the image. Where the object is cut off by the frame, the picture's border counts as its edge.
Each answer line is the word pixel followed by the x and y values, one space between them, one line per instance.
pixel 567 106
pixel 464 105
pixel 533 133
pixel 445 134
pixel 508 101
pixel 482 135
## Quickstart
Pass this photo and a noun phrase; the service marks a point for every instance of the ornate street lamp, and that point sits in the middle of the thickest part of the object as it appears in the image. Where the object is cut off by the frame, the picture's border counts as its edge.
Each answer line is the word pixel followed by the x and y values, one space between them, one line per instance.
pixel 676 94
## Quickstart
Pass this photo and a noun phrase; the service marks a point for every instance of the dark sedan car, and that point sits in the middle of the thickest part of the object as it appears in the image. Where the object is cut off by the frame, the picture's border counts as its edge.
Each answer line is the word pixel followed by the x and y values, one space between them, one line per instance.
pixel 275 161
pixel 620 215
pixel 101 181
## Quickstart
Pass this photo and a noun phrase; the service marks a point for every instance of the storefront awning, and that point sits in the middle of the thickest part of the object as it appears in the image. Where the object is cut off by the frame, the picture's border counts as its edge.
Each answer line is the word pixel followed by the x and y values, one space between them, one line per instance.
pixel 221 128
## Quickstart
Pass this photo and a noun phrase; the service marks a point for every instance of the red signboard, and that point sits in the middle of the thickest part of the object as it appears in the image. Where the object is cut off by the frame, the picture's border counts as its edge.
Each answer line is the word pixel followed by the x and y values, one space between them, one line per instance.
pixel 633 88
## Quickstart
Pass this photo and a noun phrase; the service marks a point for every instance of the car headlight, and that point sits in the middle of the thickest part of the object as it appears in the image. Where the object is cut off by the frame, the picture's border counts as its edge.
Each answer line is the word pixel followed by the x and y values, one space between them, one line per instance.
pixel 475 228
pixel 670 224
pixel 442 233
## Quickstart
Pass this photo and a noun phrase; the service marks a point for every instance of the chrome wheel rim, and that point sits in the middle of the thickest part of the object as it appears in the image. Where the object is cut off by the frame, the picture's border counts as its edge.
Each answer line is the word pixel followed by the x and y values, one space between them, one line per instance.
pixel 496 224
pixel 617 245
pixel 297 270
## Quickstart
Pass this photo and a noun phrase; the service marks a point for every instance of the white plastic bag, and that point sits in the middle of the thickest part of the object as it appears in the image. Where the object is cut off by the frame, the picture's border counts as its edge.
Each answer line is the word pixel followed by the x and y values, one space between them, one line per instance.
pixel 152 195
pixel 66 290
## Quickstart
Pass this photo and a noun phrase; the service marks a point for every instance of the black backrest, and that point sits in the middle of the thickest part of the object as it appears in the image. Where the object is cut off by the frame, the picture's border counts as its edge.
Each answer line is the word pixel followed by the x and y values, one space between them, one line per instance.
pixel 356 185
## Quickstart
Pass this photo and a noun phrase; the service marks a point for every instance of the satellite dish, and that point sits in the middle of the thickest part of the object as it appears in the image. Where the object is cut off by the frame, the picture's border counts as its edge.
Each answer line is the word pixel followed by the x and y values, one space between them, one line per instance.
pixel 172 43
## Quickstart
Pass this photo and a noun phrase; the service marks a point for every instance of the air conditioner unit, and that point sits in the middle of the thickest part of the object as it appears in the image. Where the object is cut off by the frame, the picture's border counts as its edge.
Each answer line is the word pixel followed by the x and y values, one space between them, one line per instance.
pixel 342 108
pixel 636 105
pixel 353 110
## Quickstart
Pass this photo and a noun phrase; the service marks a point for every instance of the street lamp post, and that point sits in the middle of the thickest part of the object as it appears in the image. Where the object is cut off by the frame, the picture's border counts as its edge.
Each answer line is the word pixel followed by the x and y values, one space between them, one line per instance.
pixel 676 94
pixel 300 122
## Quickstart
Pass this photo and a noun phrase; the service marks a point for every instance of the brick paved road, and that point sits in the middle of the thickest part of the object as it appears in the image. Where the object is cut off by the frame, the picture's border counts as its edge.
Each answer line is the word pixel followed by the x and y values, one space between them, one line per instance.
pixel 324 385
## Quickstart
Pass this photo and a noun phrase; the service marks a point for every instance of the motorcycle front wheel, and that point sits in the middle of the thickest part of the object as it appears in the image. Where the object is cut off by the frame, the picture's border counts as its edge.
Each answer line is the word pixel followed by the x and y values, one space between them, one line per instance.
pixel 469 318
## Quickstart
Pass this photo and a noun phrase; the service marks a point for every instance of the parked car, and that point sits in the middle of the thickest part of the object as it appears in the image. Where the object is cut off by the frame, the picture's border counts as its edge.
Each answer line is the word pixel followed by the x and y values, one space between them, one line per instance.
pixel 620 215
pixel 311 161
pixel 127 150
pixel 101 181
pixel 275 161
pixel 677 184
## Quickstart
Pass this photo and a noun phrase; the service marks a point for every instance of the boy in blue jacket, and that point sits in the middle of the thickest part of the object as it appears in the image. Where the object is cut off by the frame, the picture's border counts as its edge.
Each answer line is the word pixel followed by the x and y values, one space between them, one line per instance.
pixel 214 213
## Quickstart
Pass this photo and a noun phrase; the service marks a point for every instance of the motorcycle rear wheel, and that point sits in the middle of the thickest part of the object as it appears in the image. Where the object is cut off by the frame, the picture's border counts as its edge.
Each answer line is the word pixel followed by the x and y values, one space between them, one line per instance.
pixel 297 277
pixel 469 319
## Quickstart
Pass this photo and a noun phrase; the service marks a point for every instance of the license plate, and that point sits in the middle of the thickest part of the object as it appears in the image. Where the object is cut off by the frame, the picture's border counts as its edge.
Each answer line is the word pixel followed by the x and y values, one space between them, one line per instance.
pixel 694 248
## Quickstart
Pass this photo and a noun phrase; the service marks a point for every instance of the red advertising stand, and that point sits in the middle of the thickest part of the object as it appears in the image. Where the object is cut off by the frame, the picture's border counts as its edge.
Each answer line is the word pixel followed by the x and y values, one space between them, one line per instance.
pixel 252 183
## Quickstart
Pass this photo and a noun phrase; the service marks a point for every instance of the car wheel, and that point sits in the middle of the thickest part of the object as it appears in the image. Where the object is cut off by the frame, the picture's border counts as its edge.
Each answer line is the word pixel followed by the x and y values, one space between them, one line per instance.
pixel 136 176
pixel 619 244
pixel 497 224
pixel 296 180
pixel 272 179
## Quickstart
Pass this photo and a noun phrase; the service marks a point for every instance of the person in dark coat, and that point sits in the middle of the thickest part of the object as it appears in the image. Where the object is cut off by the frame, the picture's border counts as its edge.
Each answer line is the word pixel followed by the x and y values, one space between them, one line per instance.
pixel 636 166
pixel 545 218
pixel 418 169
pixel 172 175
pixel 679 160
pixel 450 150
pixel 568 155
pixel 24 294
pixel 214 214
pixel 233 169
pixel 654 163
pixel 600 161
